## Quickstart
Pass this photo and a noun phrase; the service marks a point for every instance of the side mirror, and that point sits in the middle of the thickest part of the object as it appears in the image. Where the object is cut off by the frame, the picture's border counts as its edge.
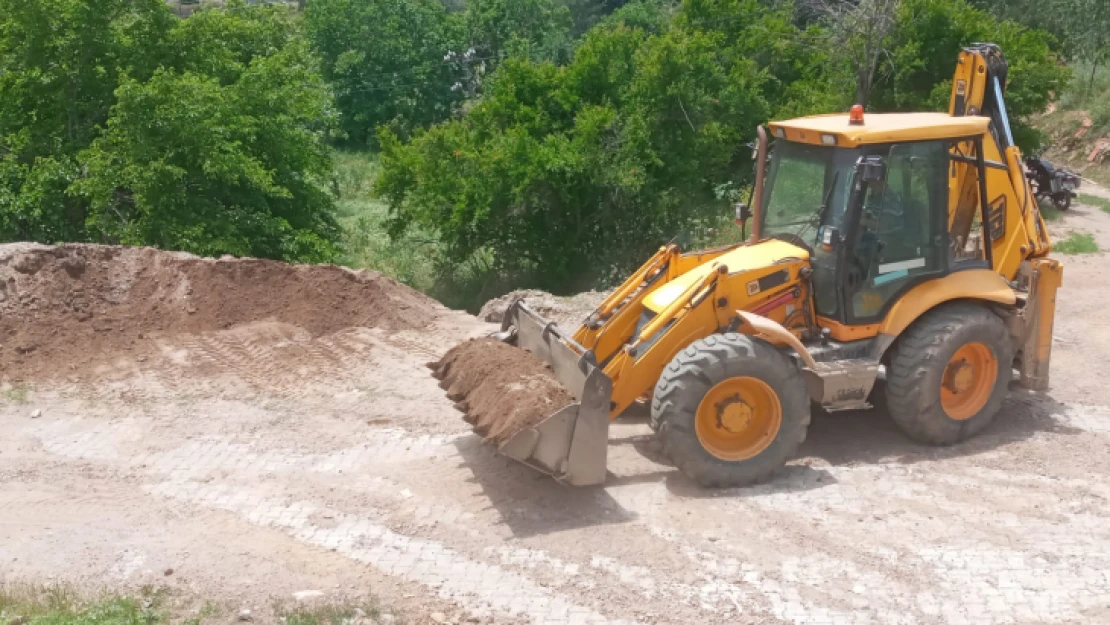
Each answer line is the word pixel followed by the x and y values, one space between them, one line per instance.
pixel 830 238
pixel 872 169
pixel 743 213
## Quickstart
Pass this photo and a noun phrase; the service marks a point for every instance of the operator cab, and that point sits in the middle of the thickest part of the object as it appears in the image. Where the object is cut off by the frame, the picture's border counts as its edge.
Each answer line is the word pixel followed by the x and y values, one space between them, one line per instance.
pixel 870 202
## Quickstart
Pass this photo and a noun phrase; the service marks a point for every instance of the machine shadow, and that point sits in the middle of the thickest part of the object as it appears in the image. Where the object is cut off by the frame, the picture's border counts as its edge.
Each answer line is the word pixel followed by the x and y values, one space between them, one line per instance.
pixel 791 479
pixel 865 437
pixel 871 436
pixel 531 503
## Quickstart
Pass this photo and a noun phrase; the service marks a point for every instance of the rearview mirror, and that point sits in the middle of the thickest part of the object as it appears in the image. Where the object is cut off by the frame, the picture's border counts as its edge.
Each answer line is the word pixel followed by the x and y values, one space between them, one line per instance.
pixel 743 213
pixel 830 238
pixel 872 169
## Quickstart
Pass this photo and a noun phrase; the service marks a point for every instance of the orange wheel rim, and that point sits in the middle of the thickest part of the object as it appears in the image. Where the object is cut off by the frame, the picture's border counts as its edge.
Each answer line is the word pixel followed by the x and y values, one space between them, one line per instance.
pixel 738 418
pixel 968 381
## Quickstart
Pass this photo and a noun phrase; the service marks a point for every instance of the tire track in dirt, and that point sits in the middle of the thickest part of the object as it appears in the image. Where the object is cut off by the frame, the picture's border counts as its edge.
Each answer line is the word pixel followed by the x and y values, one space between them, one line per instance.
pixel 274 361
pixel 232 465
pixel 482 589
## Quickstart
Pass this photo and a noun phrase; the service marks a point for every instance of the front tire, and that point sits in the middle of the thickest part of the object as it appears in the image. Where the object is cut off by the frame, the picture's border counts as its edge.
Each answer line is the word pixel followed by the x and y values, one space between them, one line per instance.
pixel 730 410
pixel 949 374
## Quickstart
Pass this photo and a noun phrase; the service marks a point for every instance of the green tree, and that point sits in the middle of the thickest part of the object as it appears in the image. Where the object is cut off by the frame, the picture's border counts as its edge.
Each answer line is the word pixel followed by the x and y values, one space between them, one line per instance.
pixel 585 14
pixel 566 173
pixel 1087 25
pixel 122 123
pixel 60 62
pixel 651 16
pixel 228 161
pixel 1081 29
pixel 802 76
pixel 862 31
pixel 539 29
pixel 388 61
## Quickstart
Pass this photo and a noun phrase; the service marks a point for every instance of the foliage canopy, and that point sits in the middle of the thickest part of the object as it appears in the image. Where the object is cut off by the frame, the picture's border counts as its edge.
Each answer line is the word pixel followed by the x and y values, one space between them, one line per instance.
pixel 546 142
pixel 121 123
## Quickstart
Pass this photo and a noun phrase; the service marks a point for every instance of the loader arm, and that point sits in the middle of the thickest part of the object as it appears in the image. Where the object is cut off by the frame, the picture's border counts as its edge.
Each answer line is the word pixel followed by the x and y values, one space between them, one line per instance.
pixel 636 368
pixel 608 328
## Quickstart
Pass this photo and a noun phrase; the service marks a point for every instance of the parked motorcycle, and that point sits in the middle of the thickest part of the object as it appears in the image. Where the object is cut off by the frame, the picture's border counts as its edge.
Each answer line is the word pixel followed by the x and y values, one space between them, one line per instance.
pixel 1049 181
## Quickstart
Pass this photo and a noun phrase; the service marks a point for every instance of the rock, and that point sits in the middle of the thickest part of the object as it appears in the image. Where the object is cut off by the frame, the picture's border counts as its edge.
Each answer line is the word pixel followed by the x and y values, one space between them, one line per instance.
pixel 73 265
pixel 36 413
pixel 387 619
pixel 168 572
pixel 245 615
pixel 438 617
pixel 29 263
pixel 359 612
pixel 305 595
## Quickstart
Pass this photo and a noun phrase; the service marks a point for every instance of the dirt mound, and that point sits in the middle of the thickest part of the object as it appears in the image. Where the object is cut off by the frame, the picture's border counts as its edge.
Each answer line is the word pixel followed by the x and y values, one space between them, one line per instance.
pixel 567 312
pixel 62 308
pixel 499 388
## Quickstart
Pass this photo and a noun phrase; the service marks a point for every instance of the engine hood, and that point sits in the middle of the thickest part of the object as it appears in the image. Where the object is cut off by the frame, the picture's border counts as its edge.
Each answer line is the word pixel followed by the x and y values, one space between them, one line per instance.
pixel 739 260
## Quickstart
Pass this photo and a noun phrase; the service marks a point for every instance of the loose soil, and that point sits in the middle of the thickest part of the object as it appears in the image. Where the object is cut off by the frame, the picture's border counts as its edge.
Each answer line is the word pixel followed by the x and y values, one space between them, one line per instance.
pixel 63 309
pixel 500 389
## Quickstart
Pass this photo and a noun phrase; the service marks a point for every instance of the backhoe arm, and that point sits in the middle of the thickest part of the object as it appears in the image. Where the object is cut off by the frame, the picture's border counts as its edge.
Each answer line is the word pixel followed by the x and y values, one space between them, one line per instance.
pixel 978 88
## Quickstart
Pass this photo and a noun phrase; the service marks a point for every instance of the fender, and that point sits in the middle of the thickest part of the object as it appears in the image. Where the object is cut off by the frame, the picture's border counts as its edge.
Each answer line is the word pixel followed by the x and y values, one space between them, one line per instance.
pixel 972 284
pixel 777 333
pixel 842 385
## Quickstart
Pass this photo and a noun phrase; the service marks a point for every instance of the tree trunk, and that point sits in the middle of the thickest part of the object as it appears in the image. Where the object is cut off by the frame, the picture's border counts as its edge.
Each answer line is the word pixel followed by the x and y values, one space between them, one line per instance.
pixel 1091 80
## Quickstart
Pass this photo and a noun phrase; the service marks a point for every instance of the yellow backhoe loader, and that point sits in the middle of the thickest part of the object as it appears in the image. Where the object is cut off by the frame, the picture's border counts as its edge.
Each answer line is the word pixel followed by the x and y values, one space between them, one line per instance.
pixel 905 245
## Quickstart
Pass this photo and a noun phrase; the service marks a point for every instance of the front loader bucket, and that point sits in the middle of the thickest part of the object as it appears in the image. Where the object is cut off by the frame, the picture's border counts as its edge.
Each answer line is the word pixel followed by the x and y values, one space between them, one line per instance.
pixel 570 443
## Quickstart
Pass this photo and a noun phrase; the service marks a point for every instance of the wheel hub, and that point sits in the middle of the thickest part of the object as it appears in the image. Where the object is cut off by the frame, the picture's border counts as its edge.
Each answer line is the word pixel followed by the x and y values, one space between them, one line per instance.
pixel 734 415
pixel 959 376
pixel 738 418
pixel 968 381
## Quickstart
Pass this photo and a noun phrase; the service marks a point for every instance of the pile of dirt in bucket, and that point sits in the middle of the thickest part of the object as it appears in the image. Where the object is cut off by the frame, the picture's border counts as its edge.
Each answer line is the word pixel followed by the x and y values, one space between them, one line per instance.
pixel 67 306
pixel 500 389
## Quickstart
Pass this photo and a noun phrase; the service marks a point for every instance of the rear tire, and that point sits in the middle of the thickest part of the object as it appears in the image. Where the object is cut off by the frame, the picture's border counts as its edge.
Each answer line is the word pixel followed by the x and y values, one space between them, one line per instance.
pixel 949 374
pixel 1063 203
pixel 757 390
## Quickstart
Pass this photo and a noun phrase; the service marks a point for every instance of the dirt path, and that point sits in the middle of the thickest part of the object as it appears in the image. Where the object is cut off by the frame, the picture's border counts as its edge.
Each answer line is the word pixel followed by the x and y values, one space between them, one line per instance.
pixel 263 459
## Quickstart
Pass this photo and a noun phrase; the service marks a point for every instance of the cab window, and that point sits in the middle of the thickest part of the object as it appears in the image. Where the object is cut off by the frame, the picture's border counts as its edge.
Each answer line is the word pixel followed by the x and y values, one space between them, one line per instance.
pixel 901 234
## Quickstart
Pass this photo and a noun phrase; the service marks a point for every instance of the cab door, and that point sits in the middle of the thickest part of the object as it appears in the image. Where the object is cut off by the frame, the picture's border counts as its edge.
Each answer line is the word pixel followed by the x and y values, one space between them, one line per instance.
pixel 899 238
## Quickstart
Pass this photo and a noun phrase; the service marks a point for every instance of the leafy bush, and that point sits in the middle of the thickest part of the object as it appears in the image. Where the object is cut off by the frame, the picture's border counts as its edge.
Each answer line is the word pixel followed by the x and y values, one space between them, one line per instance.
pixel 123 124
pixel 60 63
pixel 562 177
